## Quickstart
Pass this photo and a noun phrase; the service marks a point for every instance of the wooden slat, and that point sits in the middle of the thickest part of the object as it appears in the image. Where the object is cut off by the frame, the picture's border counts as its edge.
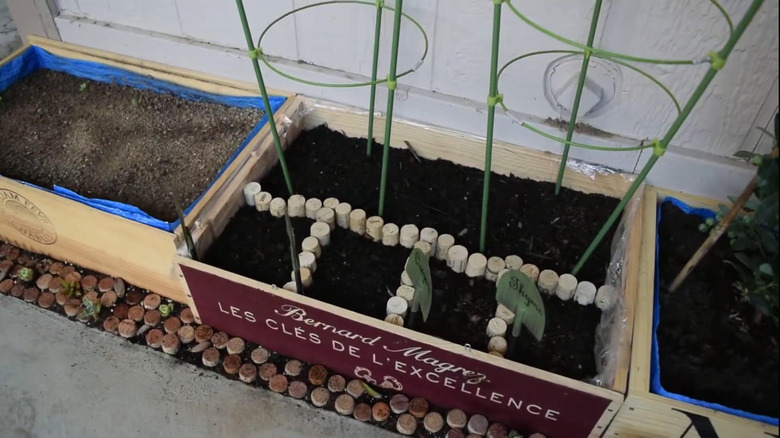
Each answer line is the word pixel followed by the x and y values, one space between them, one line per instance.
pixel 191 78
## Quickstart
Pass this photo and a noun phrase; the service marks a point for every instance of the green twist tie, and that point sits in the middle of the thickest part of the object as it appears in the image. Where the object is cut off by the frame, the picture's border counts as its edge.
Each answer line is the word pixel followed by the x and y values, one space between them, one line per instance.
pixel 716 62
pixel 658 148
pixel 380 3
pixel 391 83
pixel 495 100
pixel 254 54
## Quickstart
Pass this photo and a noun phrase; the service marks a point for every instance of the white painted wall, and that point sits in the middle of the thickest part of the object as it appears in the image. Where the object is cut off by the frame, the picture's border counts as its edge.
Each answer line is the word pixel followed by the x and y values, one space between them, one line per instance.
pixel 451 87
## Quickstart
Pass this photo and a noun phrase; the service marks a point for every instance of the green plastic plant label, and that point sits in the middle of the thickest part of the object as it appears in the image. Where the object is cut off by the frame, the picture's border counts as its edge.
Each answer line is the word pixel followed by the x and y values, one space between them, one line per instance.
pixel 518 292
pixel 419 271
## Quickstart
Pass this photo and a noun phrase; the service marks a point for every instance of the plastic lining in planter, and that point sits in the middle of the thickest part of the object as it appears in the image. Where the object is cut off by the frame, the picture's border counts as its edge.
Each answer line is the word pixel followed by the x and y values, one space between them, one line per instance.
pixel 649 409
pixel 117 238
pixel 384 354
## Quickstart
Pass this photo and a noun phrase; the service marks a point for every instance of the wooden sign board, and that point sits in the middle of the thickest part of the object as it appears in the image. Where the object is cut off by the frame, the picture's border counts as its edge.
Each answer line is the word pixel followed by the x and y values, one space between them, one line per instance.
pixel 391 357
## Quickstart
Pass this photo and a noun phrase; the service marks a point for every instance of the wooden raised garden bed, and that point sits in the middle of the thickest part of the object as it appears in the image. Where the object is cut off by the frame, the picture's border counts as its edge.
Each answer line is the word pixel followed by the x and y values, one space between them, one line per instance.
pixel 128 137
pixel 449 367
pixel 646 412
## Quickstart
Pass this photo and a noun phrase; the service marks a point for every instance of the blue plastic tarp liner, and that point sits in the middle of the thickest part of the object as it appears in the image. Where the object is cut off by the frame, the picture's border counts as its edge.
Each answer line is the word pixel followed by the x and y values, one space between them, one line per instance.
pixel 655 367
pixel 35 58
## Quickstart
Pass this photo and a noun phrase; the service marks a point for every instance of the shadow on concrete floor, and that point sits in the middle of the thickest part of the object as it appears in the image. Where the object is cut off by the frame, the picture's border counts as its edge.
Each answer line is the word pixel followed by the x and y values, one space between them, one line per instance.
pixel 9 38
pixel 59 378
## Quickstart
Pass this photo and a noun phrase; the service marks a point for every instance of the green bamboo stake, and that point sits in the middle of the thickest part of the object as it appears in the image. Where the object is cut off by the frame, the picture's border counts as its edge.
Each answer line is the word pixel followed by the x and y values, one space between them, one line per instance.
pixel 493 100
pixel 391 85
pixel 578 95
pixel 253 53
pixel 377 37
pixel 717 62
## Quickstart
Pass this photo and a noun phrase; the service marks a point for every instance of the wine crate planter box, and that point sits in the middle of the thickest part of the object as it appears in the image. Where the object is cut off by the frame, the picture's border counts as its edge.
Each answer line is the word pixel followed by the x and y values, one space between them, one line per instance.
pixel 646 413
pixel 119 239
pixel 386 355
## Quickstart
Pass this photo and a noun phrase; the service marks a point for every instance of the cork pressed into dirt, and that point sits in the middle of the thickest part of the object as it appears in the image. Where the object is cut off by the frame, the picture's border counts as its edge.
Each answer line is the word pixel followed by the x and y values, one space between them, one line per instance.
pixel 116 142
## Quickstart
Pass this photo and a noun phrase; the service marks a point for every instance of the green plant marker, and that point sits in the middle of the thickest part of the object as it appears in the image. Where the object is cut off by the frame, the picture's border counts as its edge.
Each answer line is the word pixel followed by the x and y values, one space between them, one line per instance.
pixel 374 67
pixel 185 231
pixel 518 292
pixel 419 271
pixel 293 253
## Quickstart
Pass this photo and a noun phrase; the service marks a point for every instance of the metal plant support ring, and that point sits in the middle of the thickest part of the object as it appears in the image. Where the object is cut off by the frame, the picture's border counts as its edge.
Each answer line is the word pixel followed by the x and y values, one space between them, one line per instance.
pixel 607 54
pixel 607 58
pixel 262 56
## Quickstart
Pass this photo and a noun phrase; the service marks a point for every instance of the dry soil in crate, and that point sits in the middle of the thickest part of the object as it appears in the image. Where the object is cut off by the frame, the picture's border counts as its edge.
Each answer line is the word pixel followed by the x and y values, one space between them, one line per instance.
pixel 116 142
pixel 709 350
pixel 526 219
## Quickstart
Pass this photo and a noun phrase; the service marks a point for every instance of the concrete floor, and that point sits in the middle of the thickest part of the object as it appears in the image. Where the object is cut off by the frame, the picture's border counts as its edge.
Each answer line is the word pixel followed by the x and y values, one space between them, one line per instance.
pixel 59 378
pixel 9 39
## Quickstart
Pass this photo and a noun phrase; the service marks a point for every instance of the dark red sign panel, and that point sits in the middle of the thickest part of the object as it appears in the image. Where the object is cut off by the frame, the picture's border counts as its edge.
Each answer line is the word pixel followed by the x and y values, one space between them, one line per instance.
pixel 388 360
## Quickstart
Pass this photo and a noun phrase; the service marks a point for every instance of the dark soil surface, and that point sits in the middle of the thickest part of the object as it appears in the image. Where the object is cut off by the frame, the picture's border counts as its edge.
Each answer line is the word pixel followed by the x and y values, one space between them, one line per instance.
pixel 353 273
pixel 116 142
pixel 709 348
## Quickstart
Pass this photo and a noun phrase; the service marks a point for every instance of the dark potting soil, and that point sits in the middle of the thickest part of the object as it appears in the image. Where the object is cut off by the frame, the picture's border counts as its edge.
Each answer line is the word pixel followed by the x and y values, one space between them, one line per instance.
pixel 709 348
pixel 526 219
pixel 116 142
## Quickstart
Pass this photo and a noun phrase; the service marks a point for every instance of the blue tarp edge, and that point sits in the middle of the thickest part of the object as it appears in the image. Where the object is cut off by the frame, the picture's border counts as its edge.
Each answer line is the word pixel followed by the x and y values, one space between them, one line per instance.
pixel 35 58
pixel 655 367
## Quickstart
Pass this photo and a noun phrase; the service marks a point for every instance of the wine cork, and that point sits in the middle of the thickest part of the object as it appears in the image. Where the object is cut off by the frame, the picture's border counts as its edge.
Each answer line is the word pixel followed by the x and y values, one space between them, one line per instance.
pixel 328 216
pixel 331 203
pixel 425 247
pixel 308 260
pixel 312 205
pixel 357 221
pixel 476 265
pixel 250 190
pixel 395 319
pixel 397 306
pixel 306 277
pixel 505 314
pixel 456 258
pixel 405 279
pixel 410 234
pixel 501 274
pixel 585 293
pixel 431 236
pixel 548 280
pixel 494 266
pixel 496 327
pixel 492 353
pixel 390 235
pixel 263 201
pixel 290 286
pixel 278 207
pixel 321 231
pixel 443 245
pixel 605 297
pixel 567 283
pixel 312 245
pixel 497 344
pixel 374 226
pixel 296 206
pixel 405 292
pixel 513 262
pixel 342 214
pixel 531 270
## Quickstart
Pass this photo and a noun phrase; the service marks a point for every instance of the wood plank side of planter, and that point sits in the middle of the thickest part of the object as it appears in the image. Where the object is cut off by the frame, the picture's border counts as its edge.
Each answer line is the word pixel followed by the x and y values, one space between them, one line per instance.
pixel 650 415
pixel 140 254
pixel 304 113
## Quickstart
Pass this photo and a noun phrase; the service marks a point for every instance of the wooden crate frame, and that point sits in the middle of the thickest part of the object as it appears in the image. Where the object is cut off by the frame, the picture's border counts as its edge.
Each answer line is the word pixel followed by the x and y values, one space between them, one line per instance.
pixel 643 413
pixel 141 254
pixel 429 142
